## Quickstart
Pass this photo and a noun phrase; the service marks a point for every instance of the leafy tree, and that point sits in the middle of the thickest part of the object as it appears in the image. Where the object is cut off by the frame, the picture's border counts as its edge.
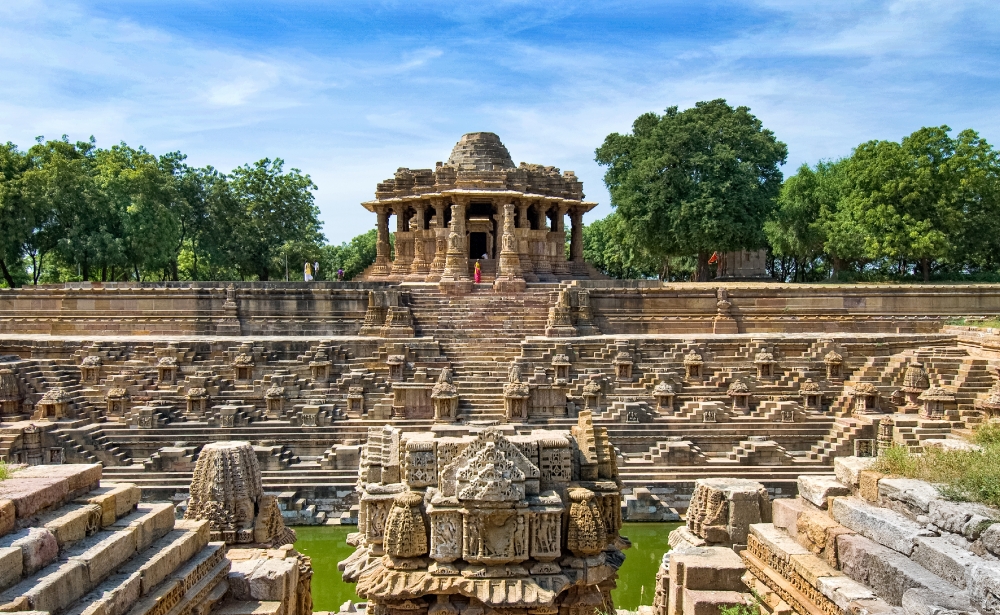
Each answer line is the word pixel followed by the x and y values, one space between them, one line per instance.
pixel 804 221
pixel 71 215
pixel 352 256
pixel 268 214
pixel 609 248
pixel 694 181
pixel 17 219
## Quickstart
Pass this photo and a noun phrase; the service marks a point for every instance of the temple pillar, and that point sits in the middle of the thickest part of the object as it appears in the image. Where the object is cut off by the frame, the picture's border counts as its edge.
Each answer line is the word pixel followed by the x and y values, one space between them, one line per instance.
pixel 404 244
pixel 440 235
pixel 419 266
pixel 560 266
pixel 381 265
pixel 576 242
pixel 456 268
pixel 540 245
pixel 509 278
pixel 523 234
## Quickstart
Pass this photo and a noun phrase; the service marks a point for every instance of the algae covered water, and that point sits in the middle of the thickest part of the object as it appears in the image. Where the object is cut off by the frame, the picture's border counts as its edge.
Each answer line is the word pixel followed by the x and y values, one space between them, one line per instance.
pixel 327 545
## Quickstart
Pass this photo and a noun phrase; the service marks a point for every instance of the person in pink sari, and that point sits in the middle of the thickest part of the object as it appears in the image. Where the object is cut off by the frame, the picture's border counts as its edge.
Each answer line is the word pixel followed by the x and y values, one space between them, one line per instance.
pixel 479 273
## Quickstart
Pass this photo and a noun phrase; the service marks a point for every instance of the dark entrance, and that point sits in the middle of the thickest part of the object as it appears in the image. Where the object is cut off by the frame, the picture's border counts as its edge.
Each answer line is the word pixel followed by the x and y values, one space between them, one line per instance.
pixel 477 245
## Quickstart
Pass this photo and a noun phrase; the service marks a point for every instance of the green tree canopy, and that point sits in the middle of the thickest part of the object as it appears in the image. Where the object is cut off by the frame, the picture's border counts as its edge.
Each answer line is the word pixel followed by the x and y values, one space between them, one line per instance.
pixel 694 181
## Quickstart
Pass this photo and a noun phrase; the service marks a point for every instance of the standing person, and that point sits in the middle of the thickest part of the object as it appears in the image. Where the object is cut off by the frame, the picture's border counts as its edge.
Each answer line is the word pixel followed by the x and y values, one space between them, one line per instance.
pixel 307 272
pixel 479 273
pixel 340 275
pixel 316 268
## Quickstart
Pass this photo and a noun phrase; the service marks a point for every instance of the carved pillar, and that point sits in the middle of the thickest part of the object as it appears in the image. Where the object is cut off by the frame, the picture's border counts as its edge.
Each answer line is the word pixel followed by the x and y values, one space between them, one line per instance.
pixel 440 235
pixel 381 265
pixel 523 235
pixel 404 243
pixel 560 266
pixel 457 260
pixel 540 246
pixel 420 265
pixel 576 241
pixel 509 276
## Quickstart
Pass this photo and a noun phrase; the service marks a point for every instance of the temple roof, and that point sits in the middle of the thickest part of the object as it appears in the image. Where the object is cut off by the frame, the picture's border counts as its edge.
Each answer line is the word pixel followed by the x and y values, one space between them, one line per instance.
pixel 480 151
pixel 481 166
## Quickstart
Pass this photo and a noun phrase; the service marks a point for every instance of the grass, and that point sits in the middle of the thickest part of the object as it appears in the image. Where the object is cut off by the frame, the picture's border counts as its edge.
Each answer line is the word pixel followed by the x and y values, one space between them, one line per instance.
pixel 5 472
pixel 991 323
pixel 967 476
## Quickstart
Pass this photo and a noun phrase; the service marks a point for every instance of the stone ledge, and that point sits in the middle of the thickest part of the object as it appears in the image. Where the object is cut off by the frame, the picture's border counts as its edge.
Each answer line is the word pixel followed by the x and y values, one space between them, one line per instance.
pixel 885 527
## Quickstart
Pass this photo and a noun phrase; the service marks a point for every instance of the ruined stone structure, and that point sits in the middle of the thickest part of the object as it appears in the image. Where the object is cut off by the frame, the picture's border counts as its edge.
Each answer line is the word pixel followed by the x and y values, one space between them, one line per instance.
pixel 480 206
pixel 482 519
pixel 855 541
pixel 70 545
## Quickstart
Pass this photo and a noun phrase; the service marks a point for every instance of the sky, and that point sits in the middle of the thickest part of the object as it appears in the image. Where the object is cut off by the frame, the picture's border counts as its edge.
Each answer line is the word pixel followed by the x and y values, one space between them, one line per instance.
pixel 348 92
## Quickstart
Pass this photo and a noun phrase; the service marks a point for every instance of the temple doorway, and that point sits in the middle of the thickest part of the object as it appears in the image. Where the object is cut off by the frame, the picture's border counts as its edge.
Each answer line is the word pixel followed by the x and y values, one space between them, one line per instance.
pixel 477 245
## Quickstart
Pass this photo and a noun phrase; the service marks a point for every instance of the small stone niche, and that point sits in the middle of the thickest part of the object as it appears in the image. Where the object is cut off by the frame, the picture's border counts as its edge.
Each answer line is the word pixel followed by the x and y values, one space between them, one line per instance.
pixel 623 366
pixel 90 370
pixel 560 366
pixel 356 400
pixel 243 366
pixel 936 403
pixel 834 365
pixel 694 367
pixel 867 399
pixel 117 401
pixel 739 392
pixel 766 365
pixel 664 394
pixel 396 363
pixel 811 396
pixel 166 370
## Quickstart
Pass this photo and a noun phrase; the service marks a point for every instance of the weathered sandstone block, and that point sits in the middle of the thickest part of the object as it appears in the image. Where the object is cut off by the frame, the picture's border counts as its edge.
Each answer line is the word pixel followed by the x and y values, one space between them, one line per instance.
pixel 785 514
pixel 818 533
pixel 38 548
pixel 886 527
pixel 817 489
pixel 885 570
pixel 946 557
pixel 984 587
pixel 930 602
pixel 966 518
pixel 916 495
pixel 848 469
pixel 722 509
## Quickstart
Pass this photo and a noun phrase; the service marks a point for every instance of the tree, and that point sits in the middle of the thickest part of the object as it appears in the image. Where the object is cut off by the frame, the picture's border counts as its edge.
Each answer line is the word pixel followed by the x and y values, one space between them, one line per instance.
pixel 71 216
pixel 609 248
pixel 906 197
pixel 143 209
pixel 694 181
pixel 802 223
pixel 17 219
pixel 272 215
pixel 353 257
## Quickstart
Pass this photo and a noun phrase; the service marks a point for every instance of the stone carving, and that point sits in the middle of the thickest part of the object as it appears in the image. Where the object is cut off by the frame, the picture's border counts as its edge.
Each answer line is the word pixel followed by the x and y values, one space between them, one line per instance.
pixel 866 399
pixel 404 527
pixel 444 396
pixel 487 524
pixel 515 395
pixel 915 382
pixel 226 491
pixel 10 394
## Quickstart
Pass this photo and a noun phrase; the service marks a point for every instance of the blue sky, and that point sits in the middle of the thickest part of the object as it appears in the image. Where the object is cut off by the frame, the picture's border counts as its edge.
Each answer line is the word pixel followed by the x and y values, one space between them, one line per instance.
pixel 348 92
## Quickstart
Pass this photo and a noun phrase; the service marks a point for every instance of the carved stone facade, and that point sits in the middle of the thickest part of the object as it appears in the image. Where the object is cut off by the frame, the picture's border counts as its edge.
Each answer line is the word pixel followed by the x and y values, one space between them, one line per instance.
pixel 226 491
pixel 487 521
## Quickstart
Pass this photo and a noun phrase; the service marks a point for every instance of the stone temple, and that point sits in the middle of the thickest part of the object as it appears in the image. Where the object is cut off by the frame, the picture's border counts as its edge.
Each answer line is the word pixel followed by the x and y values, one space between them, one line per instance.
pixel 479 206
pixel 415 395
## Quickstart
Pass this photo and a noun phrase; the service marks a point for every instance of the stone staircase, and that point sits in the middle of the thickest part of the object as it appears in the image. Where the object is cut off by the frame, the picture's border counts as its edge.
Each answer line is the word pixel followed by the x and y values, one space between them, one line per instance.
pixel 97 549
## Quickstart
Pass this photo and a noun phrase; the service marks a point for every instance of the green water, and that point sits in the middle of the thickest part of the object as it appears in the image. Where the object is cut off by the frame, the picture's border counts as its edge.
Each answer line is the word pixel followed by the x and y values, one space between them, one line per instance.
pixel 328 545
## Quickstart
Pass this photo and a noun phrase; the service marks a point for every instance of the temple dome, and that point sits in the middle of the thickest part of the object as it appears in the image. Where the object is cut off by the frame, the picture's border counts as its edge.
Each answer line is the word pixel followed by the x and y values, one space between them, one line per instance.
pixel 480 151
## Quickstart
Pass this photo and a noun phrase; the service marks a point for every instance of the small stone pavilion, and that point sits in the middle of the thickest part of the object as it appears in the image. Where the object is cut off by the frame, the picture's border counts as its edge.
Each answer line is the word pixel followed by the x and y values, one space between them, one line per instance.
pixel 479 206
